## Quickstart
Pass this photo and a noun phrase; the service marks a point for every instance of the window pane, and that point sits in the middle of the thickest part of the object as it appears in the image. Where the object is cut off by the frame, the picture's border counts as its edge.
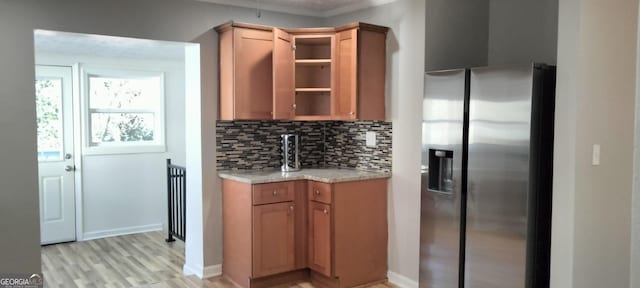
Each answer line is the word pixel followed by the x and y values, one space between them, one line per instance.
pixel 49 119
pixel 115 93
pixel 122 127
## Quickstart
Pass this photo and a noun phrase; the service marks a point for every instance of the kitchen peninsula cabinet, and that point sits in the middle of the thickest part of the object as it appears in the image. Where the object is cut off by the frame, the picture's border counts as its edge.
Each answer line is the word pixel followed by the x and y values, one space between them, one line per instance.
pixel 302 74
pixel 332 234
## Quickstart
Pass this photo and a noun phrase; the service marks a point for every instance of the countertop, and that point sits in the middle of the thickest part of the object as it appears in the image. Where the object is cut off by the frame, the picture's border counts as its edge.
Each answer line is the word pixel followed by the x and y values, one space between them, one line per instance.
pixel 326 175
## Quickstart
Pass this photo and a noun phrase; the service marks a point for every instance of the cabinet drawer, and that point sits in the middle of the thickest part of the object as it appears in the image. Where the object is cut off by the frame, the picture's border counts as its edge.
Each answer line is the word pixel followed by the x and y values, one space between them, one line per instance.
pixel 272 192
pixel 320 192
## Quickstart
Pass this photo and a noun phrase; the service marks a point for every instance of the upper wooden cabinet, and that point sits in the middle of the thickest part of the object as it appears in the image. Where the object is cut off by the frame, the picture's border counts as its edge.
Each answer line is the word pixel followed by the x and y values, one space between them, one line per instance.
pixel 314 75
pixel 361 70
pixel 302 74
pixel 283 76
pixel 246 82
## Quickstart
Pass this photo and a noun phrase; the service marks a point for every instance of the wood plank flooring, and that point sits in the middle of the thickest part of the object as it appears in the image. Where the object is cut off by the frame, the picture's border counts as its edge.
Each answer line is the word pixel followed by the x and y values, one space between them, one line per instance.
pixel 138 260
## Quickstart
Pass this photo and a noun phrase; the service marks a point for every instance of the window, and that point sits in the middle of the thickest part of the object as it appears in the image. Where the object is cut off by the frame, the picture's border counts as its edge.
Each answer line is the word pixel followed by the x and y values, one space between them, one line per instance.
pixel 124 112
pixel 49 118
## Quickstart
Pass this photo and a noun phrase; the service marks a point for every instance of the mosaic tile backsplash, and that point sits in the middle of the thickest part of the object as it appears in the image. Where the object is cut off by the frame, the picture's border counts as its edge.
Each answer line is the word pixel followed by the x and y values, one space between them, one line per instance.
pixel 345 145
pixel 254 144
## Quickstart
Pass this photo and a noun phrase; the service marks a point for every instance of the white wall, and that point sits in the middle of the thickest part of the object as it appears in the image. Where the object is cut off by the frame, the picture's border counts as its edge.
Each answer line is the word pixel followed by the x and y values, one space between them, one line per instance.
pixel 463 33
pixel 457 34
pixel 595 105
pixel 522 31
pixel 405 52
pixel 126 193
pixel 635 203
pixel 171 20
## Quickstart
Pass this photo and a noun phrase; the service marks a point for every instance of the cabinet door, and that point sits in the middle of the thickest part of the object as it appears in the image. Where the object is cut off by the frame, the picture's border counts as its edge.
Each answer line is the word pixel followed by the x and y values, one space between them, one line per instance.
pixel 320 237
pixel 253 97
pixel 283 79
pixel 344 104
pixel 273 238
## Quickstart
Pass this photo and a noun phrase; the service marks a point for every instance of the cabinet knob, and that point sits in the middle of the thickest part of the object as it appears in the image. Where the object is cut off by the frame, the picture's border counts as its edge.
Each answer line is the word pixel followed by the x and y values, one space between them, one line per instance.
pixel 294 106
pixel 317 192
pixel 275 192
pixel 291 207
pixel 352 113
pixel 325 211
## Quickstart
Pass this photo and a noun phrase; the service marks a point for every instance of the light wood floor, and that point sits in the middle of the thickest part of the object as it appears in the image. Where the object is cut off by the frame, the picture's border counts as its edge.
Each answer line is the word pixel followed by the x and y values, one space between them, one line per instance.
pixel 138 260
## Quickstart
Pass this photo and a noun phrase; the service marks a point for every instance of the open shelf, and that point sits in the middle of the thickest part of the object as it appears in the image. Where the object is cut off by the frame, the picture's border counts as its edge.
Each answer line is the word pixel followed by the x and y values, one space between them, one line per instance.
pixel 313 90
pixel 313 62
pixel 313 103
pixel 316 47
pixel 313 76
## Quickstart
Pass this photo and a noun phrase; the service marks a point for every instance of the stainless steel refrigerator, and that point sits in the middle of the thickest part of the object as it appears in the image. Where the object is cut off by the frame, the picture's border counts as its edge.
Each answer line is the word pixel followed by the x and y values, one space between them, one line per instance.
pixel 487 161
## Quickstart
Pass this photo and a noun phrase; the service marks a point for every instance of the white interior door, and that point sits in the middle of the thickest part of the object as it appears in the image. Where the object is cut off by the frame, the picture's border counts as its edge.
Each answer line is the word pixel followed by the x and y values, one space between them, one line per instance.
pixel 56 169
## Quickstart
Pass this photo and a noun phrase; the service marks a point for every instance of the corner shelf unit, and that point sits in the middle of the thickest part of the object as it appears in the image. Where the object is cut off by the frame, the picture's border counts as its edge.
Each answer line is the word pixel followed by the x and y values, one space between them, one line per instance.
pixel 313 75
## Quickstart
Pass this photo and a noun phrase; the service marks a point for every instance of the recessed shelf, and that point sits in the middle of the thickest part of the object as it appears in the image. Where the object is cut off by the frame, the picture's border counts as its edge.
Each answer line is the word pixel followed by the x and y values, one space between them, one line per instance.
pixel 319 62
pixel 313 90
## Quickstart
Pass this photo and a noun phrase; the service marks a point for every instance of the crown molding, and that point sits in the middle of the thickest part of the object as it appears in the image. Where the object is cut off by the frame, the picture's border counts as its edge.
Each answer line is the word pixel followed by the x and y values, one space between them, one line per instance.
pixel 301 11
pixel 355 7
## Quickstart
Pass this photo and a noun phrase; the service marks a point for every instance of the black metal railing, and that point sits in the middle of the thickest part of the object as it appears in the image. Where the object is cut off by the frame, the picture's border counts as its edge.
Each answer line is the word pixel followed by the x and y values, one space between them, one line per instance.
pixel 176 192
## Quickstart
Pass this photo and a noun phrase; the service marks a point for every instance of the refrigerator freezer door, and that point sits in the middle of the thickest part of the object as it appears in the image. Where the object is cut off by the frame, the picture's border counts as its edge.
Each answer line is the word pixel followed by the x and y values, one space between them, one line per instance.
pixel 443 111
pixel 498 177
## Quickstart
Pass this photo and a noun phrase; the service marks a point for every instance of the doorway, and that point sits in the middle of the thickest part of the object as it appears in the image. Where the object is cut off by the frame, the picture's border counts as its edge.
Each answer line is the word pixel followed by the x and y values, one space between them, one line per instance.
pixel 56 169
pixel 124 115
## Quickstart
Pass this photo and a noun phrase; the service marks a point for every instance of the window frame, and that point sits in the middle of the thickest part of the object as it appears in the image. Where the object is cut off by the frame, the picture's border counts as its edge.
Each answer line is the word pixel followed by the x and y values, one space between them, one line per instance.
pixel 158 145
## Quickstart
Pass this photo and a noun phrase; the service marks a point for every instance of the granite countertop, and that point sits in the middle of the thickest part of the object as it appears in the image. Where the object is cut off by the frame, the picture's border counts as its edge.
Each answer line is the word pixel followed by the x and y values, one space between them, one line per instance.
pixel 326 175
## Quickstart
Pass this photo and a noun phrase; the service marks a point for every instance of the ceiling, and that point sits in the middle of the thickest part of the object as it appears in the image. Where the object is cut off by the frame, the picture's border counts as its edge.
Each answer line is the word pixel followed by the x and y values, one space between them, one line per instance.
pixel 106 46
pixel 122 47
pixel 317 8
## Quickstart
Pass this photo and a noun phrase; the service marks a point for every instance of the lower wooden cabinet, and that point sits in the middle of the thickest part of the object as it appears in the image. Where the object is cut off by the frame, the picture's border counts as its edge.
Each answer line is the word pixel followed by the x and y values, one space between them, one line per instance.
pixel 332 234
pixel 264 230
pixel 320 237
pixel 273 238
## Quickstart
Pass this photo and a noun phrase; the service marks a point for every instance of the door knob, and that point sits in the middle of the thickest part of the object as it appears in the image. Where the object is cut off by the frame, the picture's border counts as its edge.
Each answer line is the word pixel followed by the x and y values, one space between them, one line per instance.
pixel 70 168
pixel 67 156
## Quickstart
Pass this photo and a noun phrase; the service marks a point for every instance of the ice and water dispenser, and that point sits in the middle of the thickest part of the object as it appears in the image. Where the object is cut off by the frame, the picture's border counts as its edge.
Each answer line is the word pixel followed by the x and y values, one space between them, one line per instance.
pixel 441 171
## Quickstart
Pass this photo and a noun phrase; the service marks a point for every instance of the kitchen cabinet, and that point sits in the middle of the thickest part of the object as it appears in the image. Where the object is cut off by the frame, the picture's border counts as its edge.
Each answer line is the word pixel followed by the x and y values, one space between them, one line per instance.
pixel 320 238
pixel 283 76
pixel 360 79
pixel 246 68
pixel 264 230
pixel 273 236
pixel 302 74
pixel 348 232
pixel 314 77
pixel 333 234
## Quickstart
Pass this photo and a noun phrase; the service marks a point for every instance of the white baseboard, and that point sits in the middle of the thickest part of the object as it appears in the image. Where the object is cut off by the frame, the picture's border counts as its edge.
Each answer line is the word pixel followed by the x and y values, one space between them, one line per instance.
pixel 189 270
pixel 401 280
pixel 121 231
pixel 202 273
pixel 212 271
